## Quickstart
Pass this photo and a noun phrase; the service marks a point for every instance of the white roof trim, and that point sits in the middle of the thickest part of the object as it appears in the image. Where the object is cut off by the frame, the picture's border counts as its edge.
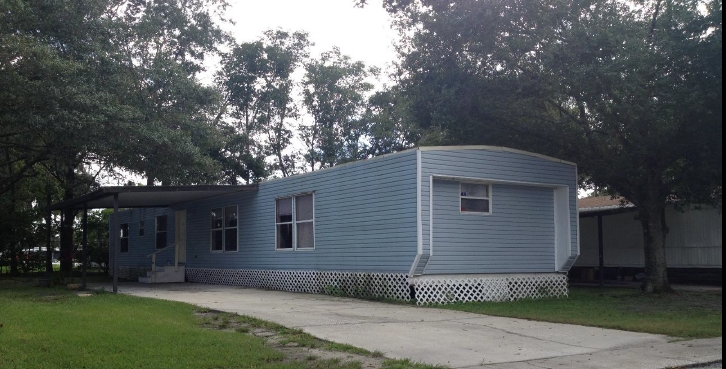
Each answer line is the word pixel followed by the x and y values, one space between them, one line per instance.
pixel 493 148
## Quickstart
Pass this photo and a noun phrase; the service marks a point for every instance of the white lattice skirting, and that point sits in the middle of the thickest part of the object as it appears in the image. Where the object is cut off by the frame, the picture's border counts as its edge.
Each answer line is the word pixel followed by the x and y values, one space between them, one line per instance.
pixel 367 285
pixel 501 287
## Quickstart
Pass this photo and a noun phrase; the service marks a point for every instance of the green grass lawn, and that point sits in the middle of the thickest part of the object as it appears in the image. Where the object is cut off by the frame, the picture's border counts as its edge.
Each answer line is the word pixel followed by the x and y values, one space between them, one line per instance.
pixel 681 314
pixel 56 328
pixel 53 328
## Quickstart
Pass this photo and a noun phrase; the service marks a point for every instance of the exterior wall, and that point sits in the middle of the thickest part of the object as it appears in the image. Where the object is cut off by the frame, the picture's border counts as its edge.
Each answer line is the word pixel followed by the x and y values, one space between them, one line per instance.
pixel 694 240
pixel 365 221
pixel 141 246
pixel 518 237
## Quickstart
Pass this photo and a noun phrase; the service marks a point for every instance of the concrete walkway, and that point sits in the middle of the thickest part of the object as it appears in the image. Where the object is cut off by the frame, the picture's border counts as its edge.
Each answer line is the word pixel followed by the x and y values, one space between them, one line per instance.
pixel 445 337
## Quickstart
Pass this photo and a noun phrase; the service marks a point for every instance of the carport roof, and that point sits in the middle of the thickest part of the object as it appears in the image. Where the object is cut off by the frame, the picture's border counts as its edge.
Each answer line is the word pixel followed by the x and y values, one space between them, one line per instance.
pixel 148 196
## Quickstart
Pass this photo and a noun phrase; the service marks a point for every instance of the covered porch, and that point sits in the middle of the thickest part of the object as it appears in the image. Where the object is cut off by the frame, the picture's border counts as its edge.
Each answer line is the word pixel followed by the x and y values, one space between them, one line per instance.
pixel 132 197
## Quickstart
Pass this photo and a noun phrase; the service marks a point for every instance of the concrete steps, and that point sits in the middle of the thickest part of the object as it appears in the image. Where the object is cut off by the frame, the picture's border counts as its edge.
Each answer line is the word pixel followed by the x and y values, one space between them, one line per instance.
pixel 164 275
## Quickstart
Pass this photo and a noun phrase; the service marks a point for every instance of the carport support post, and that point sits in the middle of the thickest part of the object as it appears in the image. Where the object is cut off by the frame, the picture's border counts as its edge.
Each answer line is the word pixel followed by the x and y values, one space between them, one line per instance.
pixel 85 245
pixel 114 234
pixel 600 251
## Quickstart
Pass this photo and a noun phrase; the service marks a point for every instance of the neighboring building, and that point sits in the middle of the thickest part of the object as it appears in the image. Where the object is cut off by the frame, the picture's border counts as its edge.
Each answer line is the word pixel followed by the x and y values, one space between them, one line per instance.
pixel 693 244
pixel 441 223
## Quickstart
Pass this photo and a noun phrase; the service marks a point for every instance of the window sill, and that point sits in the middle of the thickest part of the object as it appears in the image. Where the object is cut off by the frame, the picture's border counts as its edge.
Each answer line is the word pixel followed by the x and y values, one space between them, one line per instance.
pixel 473 213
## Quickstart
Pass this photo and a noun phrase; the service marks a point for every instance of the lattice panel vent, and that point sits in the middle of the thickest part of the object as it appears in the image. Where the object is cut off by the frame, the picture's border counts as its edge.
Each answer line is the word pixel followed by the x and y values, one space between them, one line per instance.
pixel 445 290
pixel 367 285
pixel 130 273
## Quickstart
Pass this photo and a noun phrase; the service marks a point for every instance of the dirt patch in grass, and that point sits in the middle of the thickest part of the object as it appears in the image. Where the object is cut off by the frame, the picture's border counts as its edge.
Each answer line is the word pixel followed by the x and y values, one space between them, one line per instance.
pixel 300 347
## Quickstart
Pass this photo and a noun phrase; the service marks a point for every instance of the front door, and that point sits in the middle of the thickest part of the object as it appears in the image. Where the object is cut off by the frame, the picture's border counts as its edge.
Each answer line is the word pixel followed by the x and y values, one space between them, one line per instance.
pixel 180 236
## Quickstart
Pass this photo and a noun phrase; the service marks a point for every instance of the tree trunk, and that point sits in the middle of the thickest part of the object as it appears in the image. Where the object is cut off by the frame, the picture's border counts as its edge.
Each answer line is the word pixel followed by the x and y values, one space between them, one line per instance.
pixel 14 255
pixel 66 243
pixel 48 230
pixel 66 231
pixel 652 218
pixel 283 168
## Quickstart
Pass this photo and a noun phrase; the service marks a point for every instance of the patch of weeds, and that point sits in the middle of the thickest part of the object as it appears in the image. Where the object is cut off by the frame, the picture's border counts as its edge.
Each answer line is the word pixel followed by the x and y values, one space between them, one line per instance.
pixel 260 324
pixel 408 364
pixel 242 329
pixel 334 364
pixel 377 354
pixel 100 291
pixel 300 338
pixel 332 346
pixel 333 291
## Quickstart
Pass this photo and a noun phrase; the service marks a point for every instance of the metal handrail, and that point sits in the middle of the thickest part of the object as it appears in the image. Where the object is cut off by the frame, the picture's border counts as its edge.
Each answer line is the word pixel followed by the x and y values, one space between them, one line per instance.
pixel 176 257
pixel 160 250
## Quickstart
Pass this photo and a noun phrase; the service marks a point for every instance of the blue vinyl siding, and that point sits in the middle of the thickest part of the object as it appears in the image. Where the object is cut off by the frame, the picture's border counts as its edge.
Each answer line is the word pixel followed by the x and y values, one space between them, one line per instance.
pixel 520 231
pixel 140 246
pixel 517 236
pixel 365 220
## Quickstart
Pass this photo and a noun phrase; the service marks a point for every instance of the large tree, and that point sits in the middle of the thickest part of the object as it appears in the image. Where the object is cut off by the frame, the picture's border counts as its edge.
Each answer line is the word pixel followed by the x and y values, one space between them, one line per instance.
pixel 109 83
pixel 54 105
pixel 163 47
pixel 257 83
pixel 334 94
pixel 388 124
pixel 631 91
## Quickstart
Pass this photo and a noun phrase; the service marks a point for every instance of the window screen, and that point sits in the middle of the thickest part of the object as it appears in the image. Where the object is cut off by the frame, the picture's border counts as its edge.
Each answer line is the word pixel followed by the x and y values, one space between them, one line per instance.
pixel 474 198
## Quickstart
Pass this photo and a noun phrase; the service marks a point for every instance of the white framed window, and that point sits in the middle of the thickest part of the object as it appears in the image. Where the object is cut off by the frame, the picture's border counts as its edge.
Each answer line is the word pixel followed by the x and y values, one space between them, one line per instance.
pixel 475 198
pixel 224 229
pixel 295 222
pixel 124 234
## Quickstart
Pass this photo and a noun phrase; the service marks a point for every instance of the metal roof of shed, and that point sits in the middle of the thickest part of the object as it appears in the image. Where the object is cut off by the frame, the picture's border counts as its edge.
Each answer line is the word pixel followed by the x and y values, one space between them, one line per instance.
pixel 148 196
pixel 603 204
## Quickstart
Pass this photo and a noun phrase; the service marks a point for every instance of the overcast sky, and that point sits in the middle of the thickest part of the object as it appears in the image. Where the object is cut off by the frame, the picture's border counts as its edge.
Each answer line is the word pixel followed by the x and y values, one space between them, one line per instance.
pixel 364 34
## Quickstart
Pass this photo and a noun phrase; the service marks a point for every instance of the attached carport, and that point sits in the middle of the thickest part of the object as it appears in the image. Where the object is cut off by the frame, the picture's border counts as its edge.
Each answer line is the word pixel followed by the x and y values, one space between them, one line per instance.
pixel 127 197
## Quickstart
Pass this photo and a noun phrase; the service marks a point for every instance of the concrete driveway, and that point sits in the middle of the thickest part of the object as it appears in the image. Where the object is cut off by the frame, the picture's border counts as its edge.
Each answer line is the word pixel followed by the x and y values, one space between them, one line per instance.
pixel 437 336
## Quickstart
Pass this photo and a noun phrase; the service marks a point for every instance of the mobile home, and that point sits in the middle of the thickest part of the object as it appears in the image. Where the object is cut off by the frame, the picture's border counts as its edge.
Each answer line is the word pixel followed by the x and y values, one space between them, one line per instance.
pixel 438 224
